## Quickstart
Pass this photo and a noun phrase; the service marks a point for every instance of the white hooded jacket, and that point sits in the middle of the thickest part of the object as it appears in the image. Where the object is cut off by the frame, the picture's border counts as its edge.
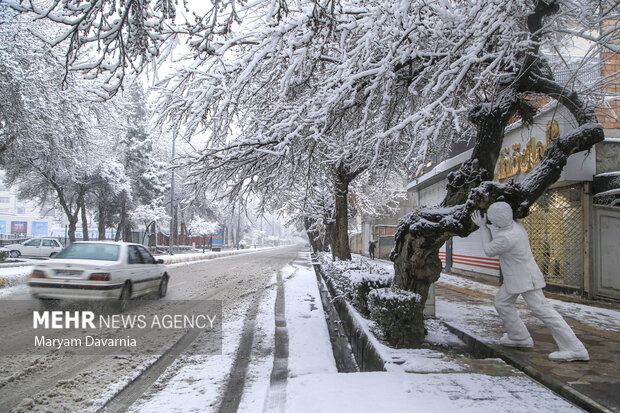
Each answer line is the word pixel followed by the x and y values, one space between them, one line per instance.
pixel 511 244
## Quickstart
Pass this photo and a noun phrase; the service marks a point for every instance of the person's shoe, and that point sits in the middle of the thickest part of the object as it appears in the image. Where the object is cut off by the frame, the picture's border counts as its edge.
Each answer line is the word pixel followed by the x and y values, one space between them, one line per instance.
pixel 525 343
pixel 570 355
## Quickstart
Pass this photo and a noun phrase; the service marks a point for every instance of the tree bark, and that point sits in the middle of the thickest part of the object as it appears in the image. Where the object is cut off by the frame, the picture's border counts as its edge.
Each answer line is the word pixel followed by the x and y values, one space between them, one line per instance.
pixel 101 224
pixel 422 232
pixel 314 237
pixel 72 227
pixel 82 204
pixel 123 216
pixel 341 246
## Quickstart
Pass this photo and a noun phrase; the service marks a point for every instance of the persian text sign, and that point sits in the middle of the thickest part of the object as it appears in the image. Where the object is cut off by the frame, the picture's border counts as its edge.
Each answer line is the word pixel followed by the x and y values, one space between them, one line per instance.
pixel 524 159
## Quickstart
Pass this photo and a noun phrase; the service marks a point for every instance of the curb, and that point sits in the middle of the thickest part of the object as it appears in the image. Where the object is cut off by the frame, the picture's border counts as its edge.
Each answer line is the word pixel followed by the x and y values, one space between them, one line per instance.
pixel 209 256
pixel 366 355
pixel 485 350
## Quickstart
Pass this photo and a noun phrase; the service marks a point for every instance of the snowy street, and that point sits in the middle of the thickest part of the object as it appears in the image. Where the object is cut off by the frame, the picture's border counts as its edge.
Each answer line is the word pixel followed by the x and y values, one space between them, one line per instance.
pixel 54 382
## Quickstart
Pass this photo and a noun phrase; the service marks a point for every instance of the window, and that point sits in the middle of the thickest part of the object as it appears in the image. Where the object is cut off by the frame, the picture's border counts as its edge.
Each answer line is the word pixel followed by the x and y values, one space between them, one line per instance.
pixel 33 243
pixel 147 258
pixel 87 251
pixel 4 199
pixel 21 210
pixel 133 255
pixel 48 243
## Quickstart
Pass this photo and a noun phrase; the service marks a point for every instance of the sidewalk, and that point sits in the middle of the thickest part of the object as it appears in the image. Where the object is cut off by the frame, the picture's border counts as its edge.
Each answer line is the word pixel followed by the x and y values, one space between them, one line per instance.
pixel 440 377
pixel 467 307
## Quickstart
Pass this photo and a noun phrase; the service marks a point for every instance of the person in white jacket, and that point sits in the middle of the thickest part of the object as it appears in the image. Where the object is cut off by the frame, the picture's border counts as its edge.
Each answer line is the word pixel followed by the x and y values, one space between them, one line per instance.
pixel 522 276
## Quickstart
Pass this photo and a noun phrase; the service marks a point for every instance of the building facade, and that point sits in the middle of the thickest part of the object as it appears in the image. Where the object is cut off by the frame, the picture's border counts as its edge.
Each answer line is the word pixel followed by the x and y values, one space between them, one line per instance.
pixel 21 219
pixel 574 227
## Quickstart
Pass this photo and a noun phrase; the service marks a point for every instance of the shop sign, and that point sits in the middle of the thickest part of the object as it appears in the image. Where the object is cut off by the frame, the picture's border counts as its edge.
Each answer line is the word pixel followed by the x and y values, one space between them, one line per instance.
pixel 525 159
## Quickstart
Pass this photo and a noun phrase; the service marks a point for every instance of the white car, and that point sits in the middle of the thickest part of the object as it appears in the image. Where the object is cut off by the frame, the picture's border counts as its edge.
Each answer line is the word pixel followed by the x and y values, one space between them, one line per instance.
pixel 100 270
pixel 35 247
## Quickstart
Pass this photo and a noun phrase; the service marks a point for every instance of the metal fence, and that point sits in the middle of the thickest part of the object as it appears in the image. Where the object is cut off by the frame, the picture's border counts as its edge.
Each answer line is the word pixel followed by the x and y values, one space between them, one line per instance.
pixel 555 230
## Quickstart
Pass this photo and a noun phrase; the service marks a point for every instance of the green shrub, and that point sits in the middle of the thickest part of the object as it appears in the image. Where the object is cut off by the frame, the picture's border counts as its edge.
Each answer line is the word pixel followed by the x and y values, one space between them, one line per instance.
pixel 361 283
pixel 393 309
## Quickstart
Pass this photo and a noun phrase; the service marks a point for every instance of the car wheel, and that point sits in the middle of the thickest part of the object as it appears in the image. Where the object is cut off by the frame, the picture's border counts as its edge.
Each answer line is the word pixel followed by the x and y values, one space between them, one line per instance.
pixel 163 286
pixel 123 300
pixel 14 254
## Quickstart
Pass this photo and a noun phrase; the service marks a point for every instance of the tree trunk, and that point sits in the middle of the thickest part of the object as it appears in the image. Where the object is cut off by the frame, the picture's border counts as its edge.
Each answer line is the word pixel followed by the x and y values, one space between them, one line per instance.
pixel 84 219
pixel 238 226
pixel 101 224
pixel 314 237
pixel 422 232
pixel 123 217
pixel 72 228
pixel 127 232
pixel 341 248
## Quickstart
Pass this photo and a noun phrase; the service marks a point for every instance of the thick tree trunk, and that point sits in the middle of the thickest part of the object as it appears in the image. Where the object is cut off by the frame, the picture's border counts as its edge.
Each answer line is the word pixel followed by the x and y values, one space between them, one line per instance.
pixel 101 224
pixel 314 237
pixel 341 248
pixel 72 228
pixel 127 232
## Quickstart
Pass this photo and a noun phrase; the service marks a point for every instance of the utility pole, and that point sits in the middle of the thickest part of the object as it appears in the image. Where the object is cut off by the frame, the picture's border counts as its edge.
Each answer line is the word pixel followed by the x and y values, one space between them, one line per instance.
pixel 171 243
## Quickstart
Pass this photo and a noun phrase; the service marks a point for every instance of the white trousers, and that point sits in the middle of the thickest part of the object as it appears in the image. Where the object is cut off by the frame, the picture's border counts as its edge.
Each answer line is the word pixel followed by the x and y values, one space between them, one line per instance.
pixel 535 299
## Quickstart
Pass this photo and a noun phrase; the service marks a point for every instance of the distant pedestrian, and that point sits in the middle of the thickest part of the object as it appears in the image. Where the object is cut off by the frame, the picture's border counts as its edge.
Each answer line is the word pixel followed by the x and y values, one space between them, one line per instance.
pixel 371 249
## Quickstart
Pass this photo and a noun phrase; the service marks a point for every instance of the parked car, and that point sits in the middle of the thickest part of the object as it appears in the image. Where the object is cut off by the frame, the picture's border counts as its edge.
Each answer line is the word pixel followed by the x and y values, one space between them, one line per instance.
pixel 99 270
pixel 35 247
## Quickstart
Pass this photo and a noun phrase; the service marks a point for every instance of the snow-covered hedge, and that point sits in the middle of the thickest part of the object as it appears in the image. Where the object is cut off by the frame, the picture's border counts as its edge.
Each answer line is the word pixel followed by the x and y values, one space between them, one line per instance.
pixel 393 309
pixel 355 279
pixel 362 283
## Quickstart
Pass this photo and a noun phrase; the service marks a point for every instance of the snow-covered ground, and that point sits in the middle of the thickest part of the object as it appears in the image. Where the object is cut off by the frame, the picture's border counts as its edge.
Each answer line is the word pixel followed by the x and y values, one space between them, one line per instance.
pixel 601 318
pixel 428 378
pixel 436 377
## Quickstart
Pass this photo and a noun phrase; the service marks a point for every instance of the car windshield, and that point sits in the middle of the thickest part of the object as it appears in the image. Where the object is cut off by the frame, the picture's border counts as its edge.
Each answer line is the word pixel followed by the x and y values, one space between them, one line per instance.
pixel 84 251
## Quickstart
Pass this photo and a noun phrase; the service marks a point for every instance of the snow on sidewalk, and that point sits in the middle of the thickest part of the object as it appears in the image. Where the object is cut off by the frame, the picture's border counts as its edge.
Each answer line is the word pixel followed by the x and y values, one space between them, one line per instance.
pixel 310 350
pixel 402 392
pixel 315 386
pixel 313 383
pixel 600 318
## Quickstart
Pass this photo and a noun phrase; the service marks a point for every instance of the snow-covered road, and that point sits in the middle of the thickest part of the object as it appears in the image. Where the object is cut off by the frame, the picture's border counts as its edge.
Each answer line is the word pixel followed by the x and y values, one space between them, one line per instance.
pixel 56 382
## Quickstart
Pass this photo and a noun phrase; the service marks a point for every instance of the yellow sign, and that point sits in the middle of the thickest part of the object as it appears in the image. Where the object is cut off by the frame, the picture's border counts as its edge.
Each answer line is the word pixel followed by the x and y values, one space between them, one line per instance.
pixel 524 160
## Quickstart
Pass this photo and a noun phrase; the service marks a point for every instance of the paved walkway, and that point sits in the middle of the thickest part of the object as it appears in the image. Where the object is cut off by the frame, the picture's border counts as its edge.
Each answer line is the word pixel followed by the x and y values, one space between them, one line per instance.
pixel 595 383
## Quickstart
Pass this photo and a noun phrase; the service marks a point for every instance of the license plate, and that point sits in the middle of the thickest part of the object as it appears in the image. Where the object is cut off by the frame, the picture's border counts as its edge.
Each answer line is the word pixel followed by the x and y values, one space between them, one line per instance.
pixel 67 273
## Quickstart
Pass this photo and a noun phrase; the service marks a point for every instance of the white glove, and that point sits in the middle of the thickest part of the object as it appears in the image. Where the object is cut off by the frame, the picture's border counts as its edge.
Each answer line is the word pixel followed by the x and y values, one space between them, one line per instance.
pixel 480 220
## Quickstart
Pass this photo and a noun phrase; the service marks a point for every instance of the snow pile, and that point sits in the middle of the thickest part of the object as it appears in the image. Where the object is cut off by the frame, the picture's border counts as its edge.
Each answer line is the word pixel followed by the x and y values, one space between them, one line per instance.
pixel 14 276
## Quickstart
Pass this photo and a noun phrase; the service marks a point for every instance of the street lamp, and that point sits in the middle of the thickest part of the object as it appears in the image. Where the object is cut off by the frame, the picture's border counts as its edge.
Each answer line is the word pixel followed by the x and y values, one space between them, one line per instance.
pixel 171 243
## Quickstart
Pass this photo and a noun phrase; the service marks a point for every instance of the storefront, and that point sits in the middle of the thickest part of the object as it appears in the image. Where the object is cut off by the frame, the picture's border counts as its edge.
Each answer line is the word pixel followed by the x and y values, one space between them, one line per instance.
pixel 558 224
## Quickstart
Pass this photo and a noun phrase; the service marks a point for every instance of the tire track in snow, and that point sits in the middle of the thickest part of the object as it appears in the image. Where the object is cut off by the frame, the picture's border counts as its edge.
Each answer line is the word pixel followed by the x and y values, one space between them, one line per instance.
pixel 276 398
